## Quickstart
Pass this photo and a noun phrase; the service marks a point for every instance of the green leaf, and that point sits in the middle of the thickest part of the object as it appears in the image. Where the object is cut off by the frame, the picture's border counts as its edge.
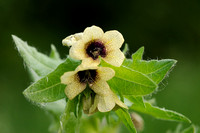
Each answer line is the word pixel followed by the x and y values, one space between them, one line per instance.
pixel 54 111
pixel 68 121
pixel 49 88
pixel 38 62
pixel 124 116
pixel 130 82
pixel 74 106
pixel 136 100
pixel 160 113
pixel 190 129
pixel 54 53
pixel 80 107
pixel 154 69
pixel 55 108
pixel 55 123
pixel 33 75
pixel 138 54
pixel 126 49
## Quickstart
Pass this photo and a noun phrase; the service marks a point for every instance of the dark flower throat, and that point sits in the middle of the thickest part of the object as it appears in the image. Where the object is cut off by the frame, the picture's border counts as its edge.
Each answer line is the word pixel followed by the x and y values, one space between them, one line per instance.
pixel 87 76
pixel 96 49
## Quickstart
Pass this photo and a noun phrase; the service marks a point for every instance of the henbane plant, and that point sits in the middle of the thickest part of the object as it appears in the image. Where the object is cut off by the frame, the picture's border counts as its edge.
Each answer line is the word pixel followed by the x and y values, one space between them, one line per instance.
pixel 96 81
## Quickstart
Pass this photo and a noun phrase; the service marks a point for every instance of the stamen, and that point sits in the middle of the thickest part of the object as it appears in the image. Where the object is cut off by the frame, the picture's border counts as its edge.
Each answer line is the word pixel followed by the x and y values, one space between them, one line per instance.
pixel 87 76
pixel 96 49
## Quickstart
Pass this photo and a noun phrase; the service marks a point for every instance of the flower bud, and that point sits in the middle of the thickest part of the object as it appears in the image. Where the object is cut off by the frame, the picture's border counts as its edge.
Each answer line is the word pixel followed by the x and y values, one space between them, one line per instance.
pixel 137 121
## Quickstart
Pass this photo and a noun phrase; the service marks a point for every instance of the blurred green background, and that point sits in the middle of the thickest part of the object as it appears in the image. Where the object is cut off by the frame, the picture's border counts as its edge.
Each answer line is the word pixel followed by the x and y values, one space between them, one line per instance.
pixel 167 29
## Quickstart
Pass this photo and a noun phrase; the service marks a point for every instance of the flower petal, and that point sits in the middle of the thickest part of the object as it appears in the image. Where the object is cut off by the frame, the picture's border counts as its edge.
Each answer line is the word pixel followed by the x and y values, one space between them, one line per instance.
pixel 77 51
pixel 105 73
pixel 89 62
pixel 73 89
pixel 92 33
pixel 82 68
pixel 72 39
pixel 118 102
pixel 113 39
pixel 100 87
pixel 67 77
pixel 105 103
pixel 115 57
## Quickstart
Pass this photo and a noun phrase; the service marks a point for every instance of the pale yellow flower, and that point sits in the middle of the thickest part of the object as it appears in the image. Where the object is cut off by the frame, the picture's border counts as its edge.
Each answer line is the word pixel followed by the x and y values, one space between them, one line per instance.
pixel 94 43
pixel 95 77
pixel 72 39
pixel 101 103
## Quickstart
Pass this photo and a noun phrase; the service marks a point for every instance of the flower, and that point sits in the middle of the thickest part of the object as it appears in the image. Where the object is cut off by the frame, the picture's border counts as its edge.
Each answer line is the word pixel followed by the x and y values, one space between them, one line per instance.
pixel 72 39
pixel 93 42
pixel 95 77
pixel 101 103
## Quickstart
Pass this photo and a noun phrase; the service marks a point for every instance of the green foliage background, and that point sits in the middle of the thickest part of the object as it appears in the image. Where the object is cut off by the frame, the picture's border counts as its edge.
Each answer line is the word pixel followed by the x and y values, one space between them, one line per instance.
pixel 167 29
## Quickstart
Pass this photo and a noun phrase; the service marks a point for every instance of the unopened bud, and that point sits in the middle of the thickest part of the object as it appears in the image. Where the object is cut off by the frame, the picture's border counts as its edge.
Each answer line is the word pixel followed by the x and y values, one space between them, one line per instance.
pixel 72 39
pixel 137 121
pixel 87 103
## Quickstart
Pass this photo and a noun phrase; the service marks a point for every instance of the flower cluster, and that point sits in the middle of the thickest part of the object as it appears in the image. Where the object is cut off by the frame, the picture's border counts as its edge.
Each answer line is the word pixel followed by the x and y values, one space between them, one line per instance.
pixel 88 47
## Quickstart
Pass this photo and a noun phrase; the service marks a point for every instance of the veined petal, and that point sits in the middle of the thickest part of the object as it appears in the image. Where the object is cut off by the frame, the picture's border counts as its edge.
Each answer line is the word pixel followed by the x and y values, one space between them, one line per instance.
pixel 77 51
pixel 82 68
pixel 105 103
pixel 89 62
pixel 100 87
pixel 68 77
pixel 113 39
pixel 105 73
pixel 92 33
pixel 118 102
pixel 73 89
pixel 93 42
pixel 115 57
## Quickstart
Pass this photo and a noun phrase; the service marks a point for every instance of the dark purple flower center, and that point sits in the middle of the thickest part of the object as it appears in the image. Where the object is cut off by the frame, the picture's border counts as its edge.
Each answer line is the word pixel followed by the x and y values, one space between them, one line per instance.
pixel 87 76
pixel 95 49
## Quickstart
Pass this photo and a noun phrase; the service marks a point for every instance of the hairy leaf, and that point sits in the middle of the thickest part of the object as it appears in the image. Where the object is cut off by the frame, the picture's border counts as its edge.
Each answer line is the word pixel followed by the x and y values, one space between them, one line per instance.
pixel 54 54
pixel 126 49
pixel 54 111
pixel 33 75
pixel 154 69
pixel 160 113
pixel 130 82
pixel 38 62
pixel 68 120
pixel 190 129
pixel 136 100
pixel 49 88
pixel 180 129
pixel 124 116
